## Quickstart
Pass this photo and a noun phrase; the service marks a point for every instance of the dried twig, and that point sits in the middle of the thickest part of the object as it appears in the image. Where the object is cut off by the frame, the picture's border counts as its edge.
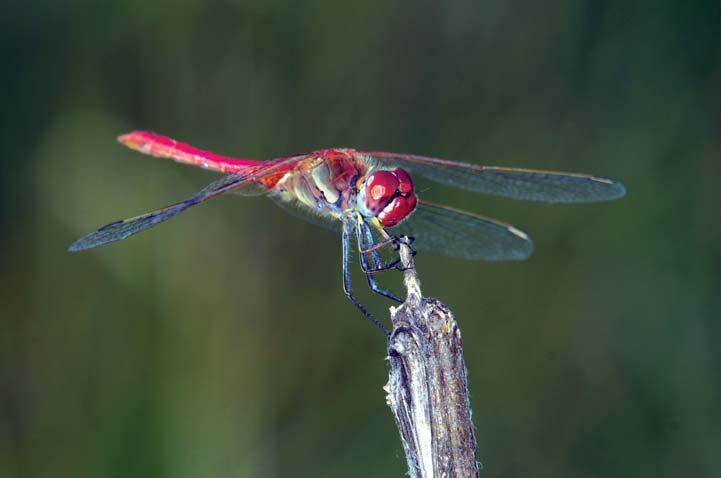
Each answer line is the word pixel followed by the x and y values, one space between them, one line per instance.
pixel 427 388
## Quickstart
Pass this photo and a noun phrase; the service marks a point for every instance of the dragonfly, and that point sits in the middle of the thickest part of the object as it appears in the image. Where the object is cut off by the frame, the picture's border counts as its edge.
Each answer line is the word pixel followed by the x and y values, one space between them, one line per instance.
pixel 370 199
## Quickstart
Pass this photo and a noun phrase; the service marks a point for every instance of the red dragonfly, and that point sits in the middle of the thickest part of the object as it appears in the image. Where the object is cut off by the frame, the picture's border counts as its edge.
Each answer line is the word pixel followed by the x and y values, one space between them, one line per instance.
pixel 369 196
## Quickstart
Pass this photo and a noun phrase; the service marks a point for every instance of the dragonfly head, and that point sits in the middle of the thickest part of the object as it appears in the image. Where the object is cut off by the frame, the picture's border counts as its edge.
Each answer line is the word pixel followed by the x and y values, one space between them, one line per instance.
pixel 387 195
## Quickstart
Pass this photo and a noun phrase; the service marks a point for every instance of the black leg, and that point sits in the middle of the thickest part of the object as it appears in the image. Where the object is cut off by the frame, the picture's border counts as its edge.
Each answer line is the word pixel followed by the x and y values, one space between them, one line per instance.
pixel 372 249
pixel 365 238
pixel 346 279
pixel 394 241
pixel 362 228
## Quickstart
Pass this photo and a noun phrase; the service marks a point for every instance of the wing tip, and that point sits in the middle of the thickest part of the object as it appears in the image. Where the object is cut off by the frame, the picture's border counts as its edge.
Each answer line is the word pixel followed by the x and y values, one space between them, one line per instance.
pixel 525 253
pixel 620 190
pixel 521 253
pixel 90 241
pixel 616 188
pixel 606 189
pixel 79 245
pixel 93 240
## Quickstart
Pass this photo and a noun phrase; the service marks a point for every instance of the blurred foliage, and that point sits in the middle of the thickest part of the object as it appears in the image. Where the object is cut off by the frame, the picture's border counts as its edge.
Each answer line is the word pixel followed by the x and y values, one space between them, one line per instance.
pixel 220 344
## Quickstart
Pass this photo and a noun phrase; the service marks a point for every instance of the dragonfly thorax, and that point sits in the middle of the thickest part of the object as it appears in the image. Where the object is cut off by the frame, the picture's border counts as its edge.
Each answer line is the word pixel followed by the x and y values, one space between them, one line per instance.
pixel 324 182
pixel 387 195
pixel 340 182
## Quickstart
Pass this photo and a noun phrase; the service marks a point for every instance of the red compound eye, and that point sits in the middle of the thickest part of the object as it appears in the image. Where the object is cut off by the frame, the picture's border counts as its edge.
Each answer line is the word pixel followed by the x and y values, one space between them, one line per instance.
pixel 388 195
pixel 399 208
pixel 380 188
pixel 405 185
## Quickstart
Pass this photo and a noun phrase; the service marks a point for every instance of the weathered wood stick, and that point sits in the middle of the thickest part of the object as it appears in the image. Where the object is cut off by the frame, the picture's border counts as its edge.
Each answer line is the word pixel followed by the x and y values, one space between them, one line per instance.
pixel 427 389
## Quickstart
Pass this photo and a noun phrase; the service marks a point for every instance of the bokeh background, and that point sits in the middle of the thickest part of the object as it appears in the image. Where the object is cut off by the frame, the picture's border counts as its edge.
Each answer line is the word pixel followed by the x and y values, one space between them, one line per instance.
pixel 220 344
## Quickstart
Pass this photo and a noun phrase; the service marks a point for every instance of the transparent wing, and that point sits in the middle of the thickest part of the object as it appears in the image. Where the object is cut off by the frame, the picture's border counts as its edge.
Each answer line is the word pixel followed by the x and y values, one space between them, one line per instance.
pixel 119 230
pixel 526 184
pixel 125 228
pixel 454 233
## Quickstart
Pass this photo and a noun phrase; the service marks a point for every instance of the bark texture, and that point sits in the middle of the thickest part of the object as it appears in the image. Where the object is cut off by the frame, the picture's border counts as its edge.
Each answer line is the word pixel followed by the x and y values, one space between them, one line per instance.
pixel 427 388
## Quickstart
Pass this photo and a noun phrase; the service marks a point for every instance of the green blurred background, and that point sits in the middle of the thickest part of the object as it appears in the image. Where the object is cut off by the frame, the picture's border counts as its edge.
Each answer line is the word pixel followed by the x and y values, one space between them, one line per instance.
pixel 220 344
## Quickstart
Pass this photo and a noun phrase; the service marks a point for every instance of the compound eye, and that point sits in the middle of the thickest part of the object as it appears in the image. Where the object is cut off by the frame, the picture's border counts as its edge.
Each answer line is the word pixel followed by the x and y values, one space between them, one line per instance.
pixel 405 185
pixel 398 209
pixel 379 189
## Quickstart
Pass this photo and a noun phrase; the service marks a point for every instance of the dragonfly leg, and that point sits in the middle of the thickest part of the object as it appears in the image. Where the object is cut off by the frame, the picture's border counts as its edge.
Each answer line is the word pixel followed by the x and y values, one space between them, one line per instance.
pixel 394 241
pixel 391 266
pixel 346 280
pixel 378 267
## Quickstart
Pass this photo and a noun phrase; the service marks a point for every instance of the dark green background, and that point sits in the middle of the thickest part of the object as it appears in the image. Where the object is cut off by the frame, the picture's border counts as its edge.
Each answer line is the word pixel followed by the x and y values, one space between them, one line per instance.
pixel 220 344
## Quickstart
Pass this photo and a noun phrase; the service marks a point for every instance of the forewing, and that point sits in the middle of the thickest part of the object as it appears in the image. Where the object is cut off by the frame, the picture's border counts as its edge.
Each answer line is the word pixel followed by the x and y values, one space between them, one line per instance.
pixel 526 184
pixel 454 233
pixel 119 230
pixel 125 228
